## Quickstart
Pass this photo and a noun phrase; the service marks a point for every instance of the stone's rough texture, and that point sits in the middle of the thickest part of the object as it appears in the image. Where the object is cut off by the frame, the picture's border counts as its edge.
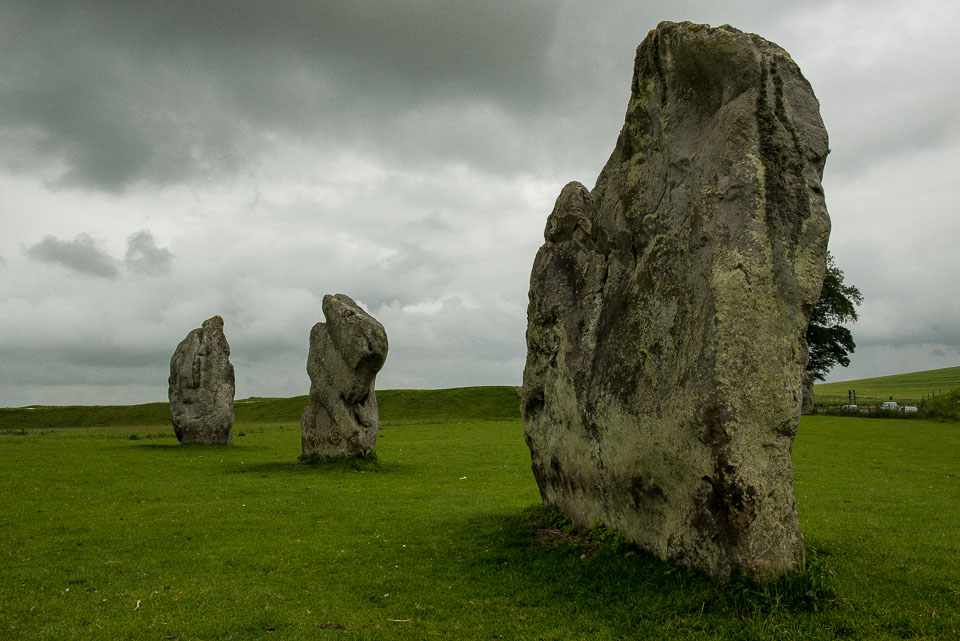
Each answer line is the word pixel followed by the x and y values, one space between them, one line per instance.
pixel 346 353
pixel 667 309
pixel 202 386
pixel 806 405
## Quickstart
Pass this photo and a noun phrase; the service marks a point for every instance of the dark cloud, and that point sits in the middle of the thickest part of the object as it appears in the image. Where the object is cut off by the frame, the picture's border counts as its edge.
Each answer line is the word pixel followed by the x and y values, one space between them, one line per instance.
pixel 98 354
pixel 164 92
pixel 69 383
pixel 80 255
pixel 144 257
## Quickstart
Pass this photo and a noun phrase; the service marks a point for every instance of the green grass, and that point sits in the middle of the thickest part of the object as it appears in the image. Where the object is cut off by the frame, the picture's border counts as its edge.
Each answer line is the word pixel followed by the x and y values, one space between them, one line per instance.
pixel 105 537
pixel 904 388
pixel 396 406
pixel 942 405
pixel 37 416
pixel 448 405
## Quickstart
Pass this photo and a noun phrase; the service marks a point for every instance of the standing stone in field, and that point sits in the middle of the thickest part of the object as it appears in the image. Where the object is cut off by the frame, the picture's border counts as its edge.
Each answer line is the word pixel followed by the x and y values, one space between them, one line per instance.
pixel 668 307
pixel 346 352
pixel 202 386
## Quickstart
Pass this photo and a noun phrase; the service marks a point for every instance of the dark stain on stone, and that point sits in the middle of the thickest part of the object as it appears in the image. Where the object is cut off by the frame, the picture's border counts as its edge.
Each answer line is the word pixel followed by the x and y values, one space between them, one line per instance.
pixel 643 492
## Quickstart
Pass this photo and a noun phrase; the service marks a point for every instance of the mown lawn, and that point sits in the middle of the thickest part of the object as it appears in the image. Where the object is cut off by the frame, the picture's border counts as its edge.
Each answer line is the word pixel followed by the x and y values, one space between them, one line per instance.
pixel 104 537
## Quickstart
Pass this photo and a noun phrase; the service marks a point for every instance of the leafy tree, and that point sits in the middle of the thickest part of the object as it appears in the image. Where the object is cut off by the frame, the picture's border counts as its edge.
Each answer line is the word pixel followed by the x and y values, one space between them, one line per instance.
pixel 828 340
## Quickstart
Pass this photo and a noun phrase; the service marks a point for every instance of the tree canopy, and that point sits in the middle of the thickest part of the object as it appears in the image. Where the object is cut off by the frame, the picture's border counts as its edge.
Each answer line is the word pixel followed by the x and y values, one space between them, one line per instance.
pixel 828 340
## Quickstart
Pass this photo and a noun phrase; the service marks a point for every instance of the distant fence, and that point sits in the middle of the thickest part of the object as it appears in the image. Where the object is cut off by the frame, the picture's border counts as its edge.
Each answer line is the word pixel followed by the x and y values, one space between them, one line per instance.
pixel 941 411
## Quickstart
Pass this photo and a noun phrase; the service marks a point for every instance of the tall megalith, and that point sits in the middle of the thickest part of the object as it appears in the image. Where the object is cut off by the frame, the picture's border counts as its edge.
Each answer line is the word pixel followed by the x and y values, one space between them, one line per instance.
pixel 341 418
pixel 668 308
pixel 201 386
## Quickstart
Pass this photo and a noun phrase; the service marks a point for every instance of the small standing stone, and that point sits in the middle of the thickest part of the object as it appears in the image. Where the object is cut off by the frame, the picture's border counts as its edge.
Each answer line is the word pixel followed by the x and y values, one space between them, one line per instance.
pixel 202 386
pixel 341 418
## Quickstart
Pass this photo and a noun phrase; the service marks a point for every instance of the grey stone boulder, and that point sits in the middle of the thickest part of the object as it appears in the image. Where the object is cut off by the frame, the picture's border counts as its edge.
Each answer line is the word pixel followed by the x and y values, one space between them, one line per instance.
pixel 668 307
pixel 342 418
pixel 201 386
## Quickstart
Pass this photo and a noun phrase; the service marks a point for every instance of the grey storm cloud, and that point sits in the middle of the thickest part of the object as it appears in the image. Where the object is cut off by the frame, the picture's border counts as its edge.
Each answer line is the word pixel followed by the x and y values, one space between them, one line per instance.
pixel 144 257
pixel 162 92
pixel 80 255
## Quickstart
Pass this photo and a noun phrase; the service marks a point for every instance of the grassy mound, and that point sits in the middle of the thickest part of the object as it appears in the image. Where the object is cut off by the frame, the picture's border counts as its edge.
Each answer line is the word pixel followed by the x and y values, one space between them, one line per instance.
pixel 39 416
pixel 401 406
pixel 904 388
pixel 396 406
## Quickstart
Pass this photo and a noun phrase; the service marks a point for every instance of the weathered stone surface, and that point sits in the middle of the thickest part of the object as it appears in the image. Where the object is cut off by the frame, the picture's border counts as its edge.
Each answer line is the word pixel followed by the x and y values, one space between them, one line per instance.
pixel 667 309
pixel 202 386
pixel 345 355
pixel 806 404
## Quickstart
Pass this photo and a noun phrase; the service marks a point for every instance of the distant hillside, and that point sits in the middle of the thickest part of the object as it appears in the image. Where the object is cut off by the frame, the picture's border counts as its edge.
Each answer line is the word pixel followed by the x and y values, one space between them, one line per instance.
pixel 396 406
pixel 146 414
pixel 459 403
pixel 425 406
pixel 902 387
pixel 400 406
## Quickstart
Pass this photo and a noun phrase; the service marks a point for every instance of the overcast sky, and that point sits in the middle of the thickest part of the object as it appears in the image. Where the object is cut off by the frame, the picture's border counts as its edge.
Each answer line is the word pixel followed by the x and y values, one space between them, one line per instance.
pixel 162 162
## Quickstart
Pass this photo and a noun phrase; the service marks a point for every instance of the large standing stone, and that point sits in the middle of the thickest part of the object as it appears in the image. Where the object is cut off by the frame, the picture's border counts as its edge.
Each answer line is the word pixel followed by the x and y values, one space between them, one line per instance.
pixel 346 352
pixel 667 309
pixel 202 386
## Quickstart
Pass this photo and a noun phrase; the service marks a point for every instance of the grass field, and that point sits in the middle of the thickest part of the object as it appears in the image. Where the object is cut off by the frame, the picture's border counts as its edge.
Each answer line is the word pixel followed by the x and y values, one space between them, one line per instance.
pixel 904 388
pixel 121 533
pixel 396 406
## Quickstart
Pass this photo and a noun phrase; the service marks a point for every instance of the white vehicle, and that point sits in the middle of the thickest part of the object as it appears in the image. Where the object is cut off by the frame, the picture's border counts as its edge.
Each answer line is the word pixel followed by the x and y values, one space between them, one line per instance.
pixel 909 409
pixel 849 408
pixel 889 405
